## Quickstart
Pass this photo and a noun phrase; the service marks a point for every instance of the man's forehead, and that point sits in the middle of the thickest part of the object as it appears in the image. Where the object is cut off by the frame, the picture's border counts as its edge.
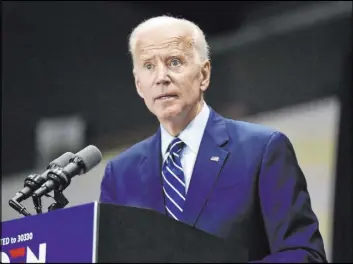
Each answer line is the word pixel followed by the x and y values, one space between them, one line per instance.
pixel 170 44
pixel 166 30
pixel 164 40
pixel 165 35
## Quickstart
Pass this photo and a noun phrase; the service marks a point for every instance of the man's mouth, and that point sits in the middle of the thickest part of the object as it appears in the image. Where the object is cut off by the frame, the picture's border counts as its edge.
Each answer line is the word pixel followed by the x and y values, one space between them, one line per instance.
pixel 167 97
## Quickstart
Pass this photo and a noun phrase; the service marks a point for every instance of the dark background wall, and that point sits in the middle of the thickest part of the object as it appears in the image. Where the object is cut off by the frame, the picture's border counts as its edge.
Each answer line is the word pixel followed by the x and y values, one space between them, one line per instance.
pixel 61 58
pixel 298 66
pixel 342 243
pixel 64 58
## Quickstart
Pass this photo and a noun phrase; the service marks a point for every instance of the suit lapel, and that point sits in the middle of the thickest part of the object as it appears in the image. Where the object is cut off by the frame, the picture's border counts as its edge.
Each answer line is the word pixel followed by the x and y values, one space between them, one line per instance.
pixel 151 174
pixel 210 160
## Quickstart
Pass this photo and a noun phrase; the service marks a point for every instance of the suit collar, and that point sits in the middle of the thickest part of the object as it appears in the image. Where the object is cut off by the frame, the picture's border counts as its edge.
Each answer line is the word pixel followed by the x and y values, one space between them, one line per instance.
pixel 150 173
pixel 216 128
pixel 210 161
pixel 192 134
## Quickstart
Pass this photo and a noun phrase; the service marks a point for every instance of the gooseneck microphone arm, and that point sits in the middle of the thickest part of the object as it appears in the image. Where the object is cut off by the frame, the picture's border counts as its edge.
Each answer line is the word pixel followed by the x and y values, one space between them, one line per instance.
pixel 18 207
pixel 60 178
pixel 56 178
pixel 34 181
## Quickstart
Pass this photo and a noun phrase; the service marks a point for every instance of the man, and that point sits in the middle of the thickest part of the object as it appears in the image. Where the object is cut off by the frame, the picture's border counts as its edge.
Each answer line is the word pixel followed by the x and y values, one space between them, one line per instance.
pixel 205 170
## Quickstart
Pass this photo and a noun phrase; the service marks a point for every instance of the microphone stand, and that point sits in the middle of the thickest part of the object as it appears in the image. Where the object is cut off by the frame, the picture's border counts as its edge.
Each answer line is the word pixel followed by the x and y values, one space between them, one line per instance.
pixel 37 201
pixel 60 201
pixel 34 180
pixel 62 181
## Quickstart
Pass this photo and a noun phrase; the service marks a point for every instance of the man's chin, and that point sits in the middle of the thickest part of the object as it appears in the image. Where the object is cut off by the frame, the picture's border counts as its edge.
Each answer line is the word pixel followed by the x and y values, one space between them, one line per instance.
pixel 169 114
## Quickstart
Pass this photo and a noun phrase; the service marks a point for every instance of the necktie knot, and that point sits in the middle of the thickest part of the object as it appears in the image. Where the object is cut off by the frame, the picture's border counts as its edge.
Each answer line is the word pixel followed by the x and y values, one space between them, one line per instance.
pixel 176 145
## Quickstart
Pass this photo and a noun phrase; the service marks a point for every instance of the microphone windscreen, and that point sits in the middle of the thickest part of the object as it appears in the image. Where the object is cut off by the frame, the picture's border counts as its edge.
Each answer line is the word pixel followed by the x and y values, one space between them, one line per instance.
pixel 91 157
pixel 63 160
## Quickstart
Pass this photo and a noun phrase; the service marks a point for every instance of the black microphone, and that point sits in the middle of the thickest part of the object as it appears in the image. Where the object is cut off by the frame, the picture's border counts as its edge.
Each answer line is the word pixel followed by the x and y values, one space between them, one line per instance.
pixel 59 178
pixel 34 181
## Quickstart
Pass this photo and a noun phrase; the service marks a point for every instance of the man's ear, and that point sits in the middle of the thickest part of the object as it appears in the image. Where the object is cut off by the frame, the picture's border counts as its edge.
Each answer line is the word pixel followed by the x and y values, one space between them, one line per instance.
pixel 205 75
pixel 137 84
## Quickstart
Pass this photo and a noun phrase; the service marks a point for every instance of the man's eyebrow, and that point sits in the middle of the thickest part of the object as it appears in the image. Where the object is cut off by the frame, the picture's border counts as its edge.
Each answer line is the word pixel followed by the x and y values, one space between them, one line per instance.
pixel 146 58
pixel 178 54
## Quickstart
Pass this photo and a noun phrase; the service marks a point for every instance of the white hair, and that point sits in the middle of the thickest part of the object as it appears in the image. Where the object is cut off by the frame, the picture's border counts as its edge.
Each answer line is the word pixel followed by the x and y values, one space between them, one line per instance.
pixel 199 39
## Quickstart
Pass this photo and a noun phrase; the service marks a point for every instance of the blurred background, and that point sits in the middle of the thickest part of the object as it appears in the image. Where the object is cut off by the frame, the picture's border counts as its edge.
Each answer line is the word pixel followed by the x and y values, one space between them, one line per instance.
pixel 67 82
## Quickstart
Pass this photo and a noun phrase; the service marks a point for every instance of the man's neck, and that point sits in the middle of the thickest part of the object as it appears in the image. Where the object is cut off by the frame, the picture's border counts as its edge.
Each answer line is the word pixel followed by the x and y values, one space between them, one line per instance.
pixel 176 125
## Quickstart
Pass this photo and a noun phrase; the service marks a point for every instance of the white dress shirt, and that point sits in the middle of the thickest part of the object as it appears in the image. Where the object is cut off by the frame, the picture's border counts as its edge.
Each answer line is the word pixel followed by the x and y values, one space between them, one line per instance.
pixel 191 136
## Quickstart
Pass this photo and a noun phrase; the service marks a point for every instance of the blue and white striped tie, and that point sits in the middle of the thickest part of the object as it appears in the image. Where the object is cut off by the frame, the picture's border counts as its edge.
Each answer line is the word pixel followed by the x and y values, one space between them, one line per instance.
pixel 173 180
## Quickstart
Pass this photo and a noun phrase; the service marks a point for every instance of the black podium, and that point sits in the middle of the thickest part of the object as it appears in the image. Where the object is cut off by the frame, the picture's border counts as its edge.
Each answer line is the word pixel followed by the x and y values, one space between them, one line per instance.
pixel 99 232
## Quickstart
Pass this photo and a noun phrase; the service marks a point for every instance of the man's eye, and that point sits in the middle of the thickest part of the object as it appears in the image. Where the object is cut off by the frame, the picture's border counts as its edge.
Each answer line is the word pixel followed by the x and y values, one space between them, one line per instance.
pixel 148 66
pixel 175 62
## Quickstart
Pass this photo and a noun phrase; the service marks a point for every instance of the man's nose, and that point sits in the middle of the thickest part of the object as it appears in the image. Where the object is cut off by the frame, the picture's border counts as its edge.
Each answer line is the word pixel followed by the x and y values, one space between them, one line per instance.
pixel 162 76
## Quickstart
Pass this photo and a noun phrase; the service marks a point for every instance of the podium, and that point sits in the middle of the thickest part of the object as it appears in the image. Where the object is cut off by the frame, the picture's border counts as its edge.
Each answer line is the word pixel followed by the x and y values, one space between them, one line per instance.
pixel 99 232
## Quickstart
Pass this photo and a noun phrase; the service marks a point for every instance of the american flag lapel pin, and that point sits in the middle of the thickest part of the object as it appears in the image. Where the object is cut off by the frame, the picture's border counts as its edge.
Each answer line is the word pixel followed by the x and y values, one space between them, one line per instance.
pixel 215 158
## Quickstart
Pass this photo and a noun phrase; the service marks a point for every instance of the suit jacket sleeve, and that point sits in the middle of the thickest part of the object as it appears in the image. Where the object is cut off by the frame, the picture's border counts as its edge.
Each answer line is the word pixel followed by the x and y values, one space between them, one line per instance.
pixel 292 227
pixel 108 186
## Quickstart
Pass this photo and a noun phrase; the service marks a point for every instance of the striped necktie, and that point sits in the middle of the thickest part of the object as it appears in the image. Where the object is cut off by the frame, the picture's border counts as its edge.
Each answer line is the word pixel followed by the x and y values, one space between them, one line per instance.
pixel 173 180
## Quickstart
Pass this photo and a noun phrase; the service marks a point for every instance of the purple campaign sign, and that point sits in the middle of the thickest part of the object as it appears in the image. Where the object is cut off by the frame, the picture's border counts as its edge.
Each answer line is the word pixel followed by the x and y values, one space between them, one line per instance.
pixel 65 235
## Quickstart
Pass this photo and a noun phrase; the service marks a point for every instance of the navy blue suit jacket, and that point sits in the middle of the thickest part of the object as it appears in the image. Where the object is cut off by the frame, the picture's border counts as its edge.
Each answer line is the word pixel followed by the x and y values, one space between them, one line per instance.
pixel 256 186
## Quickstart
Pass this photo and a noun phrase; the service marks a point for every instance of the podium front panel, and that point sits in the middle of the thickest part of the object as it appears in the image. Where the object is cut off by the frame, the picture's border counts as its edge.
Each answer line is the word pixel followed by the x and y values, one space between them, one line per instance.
pixel 59 236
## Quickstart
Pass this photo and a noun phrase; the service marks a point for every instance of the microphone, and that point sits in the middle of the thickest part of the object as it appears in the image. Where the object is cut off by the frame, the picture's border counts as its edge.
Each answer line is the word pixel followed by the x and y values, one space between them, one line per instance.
pixel 59 178
pixel 34 181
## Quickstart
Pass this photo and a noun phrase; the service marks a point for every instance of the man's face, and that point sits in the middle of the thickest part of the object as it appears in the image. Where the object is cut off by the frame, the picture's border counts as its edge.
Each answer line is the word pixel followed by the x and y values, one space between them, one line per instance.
pixel 169 75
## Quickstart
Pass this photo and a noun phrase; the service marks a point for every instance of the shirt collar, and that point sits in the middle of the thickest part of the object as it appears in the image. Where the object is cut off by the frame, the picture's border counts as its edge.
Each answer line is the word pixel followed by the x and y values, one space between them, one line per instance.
pixel 191 135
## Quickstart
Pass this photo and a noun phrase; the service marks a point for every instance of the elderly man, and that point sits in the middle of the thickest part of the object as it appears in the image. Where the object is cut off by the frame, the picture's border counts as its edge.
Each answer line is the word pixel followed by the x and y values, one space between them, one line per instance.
pixel 205 170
